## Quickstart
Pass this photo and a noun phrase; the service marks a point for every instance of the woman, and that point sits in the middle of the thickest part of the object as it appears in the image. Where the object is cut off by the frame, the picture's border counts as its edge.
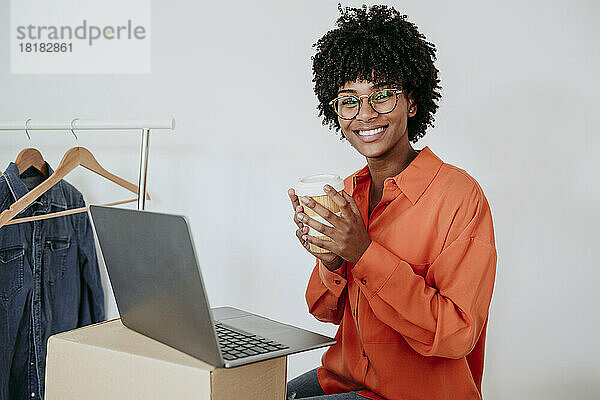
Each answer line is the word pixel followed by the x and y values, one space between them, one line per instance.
pixel 410 267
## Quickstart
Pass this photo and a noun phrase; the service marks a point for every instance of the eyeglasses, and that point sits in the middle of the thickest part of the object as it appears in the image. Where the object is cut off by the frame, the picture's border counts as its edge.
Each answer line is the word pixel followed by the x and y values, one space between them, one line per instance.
pixel 383 101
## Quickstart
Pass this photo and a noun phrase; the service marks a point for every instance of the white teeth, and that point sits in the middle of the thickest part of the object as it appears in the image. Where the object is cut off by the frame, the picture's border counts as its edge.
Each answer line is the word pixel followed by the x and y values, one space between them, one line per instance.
pixel 371 132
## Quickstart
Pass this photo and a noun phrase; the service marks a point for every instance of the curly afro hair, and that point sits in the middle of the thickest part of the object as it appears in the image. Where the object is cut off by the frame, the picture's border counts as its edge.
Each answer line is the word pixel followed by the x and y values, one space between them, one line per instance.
pixel 377 45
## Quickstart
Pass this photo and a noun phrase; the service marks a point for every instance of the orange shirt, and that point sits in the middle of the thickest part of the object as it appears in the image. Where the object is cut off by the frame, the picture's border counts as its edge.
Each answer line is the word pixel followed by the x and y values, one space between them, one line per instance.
pixel 412 312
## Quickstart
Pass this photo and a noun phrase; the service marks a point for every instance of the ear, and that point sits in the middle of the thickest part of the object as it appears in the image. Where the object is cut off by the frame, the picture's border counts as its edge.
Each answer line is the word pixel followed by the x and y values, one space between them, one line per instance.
pixel 411 108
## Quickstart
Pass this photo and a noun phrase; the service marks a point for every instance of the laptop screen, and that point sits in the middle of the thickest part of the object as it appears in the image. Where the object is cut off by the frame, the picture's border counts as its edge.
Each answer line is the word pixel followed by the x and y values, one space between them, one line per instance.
pixel 156 279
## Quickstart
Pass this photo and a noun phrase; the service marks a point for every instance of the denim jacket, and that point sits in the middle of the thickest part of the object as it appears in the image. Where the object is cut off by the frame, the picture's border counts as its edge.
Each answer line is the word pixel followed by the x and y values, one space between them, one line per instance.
pixel 49 282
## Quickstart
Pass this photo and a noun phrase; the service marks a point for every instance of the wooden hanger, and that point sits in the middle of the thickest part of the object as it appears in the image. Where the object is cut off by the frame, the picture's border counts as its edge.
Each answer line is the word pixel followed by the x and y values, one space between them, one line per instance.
pixel 31 157
pixel 73 158
pixel 66 212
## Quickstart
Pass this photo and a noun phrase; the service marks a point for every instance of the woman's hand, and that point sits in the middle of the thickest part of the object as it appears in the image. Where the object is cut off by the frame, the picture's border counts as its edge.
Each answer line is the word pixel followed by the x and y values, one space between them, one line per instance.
pixel 349 237
pixel 330 260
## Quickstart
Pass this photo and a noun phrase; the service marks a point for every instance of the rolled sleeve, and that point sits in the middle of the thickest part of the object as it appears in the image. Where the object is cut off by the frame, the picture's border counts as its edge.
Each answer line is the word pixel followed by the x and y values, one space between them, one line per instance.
pixel 374 268
pixel 326 294
pixel 334 281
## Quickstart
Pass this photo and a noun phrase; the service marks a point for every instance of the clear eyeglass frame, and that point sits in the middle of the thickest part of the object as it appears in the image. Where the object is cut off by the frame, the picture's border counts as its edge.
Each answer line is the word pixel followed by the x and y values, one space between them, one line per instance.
pixel 370 96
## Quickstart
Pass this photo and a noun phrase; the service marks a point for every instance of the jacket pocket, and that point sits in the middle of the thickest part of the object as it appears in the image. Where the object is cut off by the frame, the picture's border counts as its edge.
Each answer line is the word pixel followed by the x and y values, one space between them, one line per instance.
pixel 11 271
pixel 55 256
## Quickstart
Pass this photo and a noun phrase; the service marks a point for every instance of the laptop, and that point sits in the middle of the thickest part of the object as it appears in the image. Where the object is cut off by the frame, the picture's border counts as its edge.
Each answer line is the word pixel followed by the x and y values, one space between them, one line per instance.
pixel 154 272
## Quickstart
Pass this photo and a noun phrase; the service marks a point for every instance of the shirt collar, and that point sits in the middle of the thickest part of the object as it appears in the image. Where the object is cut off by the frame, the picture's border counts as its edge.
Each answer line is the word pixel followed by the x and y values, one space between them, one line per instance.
pixel 54 196
pixel 414 179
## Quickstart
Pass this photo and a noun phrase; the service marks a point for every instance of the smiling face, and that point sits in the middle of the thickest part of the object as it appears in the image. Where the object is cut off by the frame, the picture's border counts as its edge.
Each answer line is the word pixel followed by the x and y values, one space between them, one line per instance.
pixel 376 135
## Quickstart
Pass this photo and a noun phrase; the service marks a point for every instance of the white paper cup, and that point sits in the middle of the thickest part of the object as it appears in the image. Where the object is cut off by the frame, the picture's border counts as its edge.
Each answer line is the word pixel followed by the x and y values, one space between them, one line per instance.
pixel 312 186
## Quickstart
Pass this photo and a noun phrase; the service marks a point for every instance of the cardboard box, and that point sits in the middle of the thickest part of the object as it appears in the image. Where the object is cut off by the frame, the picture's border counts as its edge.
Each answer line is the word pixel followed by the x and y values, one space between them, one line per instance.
pixel 110 361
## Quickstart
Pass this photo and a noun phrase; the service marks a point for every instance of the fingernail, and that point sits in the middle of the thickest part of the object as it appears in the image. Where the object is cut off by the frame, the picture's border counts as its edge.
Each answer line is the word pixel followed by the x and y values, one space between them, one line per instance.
pixel 327 188
pixel 303 237
pixel 304 199
pixel 299 208
pixel 301 217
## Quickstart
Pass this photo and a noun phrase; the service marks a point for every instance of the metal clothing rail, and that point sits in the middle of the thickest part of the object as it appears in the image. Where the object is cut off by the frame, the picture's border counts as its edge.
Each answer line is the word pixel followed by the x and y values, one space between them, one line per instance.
pixel 93 125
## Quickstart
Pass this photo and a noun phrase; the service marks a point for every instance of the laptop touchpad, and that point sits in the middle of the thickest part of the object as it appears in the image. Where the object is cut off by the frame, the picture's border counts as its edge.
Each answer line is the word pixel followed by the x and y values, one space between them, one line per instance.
pixel 258 325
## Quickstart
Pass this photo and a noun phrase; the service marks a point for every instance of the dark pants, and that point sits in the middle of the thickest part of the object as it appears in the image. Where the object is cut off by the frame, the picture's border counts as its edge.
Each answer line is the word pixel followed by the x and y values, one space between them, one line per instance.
pixel 306 386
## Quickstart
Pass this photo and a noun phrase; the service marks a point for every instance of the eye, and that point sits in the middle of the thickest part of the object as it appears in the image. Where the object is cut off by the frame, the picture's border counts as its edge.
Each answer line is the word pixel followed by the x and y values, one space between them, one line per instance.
pixel 348 101
pixel 382 95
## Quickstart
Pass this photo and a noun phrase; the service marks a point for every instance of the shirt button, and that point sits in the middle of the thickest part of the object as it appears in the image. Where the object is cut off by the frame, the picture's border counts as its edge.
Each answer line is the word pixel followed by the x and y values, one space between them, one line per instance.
pixel 363 281
pixel 337 281
pixel 32 394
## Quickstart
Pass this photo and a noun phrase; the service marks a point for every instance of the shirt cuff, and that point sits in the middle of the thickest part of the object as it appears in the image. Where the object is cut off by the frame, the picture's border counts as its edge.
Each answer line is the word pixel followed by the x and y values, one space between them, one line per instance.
pixel 374 268
pixel 334 281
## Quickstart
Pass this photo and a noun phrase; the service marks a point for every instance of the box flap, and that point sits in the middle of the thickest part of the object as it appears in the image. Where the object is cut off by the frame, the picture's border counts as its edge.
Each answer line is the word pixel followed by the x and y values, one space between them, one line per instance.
pixel 113 335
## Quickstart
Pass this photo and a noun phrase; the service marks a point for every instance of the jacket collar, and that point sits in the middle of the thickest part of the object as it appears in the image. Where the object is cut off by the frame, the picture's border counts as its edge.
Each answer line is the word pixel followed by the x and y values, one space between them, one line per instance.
pixel 54 196
pixel 414 179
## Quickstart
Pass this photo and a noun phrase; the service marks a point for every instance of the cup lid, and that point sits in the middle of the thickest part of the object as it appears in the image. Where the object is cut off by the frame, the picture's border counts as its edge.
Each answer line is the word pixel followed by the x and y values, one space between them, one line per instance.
pixel 313 185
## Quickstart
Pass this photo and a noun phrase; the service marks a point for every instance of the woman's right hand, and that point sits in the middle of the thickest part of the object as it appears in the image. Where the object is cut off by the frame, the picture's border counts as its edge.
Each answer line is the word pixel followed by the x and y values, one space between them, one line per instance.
pixel 331 260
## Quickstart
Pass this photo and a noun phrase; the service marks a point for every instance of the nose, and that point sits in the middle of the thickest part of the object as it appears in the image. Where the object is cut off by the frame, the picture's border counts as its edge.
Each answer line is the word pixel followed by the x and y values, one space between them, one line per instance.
pixel 366 111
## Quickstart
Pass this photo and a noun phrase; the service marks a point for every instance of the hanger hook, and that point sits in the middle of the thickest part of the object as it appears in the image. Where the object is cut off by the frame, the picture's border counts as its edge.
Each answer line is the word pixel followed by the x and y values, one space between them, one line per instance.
pixel 73 132
pixel 27 132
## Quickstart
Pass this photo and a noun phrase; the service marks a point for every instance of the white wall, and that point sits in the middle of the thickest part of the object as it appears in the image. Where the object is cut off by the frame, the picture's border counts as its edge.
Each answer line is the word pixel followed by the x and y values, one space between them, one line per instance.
pixel 520 94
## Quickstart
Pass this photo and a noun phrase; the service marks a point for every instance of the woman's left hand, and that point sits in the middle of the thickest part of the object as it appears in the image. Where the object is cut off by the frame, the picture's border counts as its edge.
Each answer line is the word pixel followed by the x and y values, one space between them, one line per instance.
pixel 349 237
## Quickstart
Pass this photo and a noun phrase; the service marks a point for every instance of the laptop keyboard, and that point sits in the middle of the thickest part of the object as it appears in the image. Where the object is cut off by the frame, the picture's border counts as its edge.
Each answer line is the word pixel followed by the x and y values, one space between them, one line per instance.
pixel 237 344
